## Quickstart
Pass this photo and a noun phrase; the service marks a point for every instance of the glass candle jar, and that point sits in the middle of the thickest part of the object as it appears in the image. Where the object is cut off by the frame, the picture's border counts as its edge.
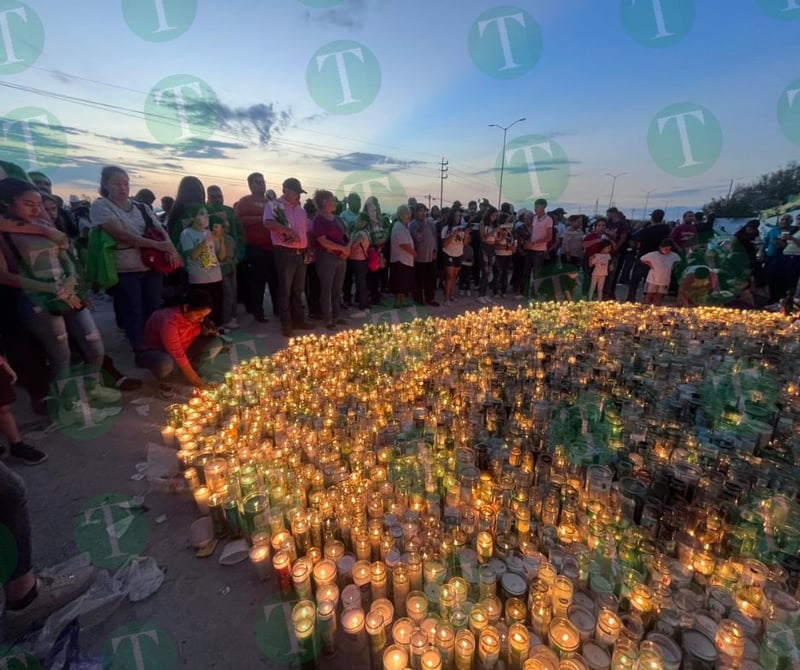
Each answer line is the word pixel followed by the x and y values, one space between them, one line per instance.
pixel 464 650
pixel 518 645
pixel 489 647
pixel 416 606
pixel 563 637
pixel 395 658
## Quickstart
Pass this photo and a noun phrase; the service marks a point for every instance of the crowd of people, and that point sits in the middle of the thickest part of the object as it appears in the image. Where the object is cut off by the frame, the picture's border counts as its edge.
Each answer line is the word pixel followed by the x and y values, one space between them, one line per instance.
pixel 320 259
pixel 178 274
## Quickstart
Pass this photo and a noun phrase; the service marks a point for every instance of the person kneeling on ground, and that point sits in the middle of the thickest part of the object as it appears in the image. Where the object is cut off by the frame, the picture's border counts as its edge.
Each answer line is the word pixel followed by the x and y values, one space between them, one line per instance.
pixel 179 337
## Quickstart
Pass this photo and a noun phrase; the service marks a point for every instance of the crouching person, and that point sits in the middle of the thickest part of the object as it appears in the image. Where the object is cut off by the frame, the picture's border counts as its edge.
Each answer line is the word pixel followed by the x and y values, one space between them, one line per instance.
pixel 180 337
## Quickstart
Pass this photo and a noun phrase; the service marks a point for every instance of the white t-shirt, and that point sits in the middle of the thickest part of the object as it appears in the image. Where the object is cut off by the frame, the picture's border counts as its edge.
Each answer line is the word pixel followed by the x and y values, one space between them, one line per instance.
pixel 128 259
pixel 204 269
pixel 401 235
pixel 661 272
pixel 792 249
pixel 455 247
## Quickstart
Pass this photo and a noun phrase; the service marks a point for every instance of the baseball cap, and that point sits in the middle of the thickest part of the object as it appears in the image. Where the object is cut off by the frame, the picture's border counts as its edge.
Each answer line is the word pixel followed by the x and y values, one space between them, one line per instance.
pixel 293 184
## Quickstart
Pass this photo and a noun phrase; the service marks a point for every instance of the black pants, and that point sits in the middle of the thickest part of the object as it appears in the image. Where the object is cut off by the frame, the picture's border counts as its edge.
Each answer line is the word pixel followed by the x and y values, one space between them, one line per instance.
pixel 261 273
pixel 638 275
pixel 425 282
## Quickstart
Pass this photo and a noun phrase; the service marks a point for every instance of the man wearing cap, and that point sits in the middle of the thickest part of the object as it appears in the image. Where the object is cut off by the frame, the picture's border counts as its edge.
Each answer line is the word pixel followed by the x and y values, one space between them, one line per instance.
pixel 646 241
pixel 287 222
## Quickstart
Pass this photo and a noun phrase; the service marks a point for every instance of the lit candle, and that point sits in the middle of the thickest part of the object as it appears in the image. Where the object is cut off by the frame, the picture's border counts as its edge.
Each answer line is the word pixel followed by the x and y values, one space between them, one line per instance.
pixel 563 637
pixel 431 660
pixel 281 563
pixel 395 658
pixel 361 578
pixel 465 650
pixel 168 436
pixel 259 557
pixel 304 619
pixel 216 472
pixel 485 544
pixel 446 644
pixel 730 643
pixel 385 608
pixel 400 588
pixel 416 606
pixel 324 573
pixel 417 644
pixel 201 497
pixel 401 632
pixel 414 564
pixel 516 611
pixel 518 645
pixel 489 647
pixel 609 627
pixel 434 571
pixel 377 573
pixel 326 622
pixel 353 625
pixel 329 593
pixel 301 579
pixel 478 620
pixel 377 638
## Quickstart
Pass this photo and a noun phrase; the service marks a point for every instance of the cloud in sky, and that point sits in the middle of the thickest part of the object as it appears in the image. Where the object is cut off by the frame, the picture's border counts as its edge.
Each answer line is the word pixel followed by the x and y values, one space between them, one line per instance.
pixel 358 160
pixel 348 14
pixel 263 121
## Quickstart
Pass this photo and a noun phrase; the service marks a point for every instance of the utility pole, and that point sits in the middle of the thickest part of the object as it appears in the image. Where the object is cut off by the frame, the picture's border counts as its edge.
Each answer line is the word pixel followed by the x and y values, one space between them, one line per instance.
pixel 429 197
pixel 442 176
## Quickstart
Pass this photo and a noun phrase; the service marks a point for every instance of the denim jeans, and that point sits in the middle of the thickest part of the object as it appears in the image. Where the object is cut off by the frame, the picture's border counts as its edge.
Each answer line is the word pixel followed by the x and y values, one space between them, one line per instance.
pixel 534 262
pixel 291 268
pixel 14 516
pixel 330 270
pixel 53 331
pixel 162 365
pixel 360 269
pixel 228 297
pixel 138 295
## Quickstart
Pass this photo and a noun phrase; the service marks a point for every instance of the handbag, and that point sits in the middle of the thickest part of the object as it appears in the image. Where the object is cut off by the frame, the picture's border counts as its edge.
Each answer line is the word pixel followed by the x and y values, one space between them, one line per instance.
pixel 373 259
pixel 154 259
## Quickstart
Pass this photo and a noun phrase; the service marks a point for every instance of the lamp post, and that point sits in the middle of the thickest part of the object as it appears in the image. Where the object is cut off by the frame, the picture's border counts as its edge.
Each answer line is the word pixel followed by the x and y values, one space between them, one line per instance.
pixel 505 130
pixel 614 178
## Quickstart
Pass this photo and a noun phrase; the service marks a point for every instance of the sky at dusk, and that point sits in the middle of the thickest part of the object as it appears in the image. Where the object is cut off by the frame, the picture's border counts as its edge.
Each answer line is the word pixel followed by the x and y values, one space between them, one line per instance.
pixel 677 98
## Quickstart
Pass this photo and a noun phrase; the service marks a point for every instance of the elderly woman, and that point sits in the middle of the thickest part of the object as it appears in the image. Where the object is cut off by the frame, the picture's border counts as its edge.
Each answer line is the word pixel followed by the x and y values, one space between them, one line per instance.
pixel 138 293
pixel 333 248
pixel 401 259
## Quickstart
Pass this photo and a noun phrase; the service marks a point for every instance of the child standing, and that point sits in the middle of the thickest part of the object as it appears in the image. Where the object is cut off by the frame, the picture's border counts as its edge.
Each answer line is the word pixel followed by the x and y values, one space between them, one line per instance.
pixel 599 264
pixel 202 266
pixel 465 274
pixel 225 249
pixel 660 263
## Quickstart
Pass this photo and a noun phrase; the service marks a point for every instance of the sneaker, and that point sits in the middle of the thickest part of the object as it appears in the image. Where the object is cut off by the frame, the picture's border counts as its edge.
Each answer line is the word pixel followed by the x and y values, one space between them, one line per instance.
pixel 360 314
pixel 128 384
pixel 231 325
pixel 482 300
pixel 27 454
pixel 519 296
pixel 104 394
pixel 54 593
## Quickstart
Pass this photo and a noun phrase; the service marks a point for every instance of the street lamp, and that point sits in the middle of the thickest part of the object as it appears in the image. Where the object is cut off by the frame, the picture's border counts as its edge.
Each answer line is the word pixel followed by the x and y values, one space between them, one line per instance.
pixel 505 130
pixel 614 178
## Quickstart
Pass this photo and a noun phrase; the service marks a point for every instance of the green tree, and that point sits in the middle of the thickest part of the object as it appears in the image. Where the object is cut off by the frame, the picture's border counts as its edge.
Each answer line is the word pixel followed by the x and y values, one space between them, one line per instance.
pixel 767 192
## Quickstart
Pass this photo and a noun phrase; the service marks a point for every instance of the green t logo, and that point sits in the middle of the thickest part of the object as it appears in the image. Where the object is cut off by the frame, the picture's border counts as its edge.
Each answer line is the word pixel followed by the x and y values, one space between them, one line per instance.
pixel 344 77
pixel 21 37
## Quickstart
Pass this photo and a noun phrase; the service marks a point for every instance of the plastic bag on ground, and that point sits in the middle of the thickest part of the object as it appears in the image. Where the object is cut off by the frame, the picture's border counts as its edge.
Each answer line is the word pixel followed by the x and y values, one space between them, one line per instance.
pixel 140 577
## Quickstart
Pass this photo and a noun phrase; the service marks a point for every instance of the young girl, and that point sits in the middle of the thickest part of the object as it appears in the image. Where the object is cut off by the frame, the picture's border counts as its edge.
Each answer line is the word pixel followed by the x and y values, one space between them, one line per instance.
pixel 359 265
pixel 599 264
pixel 225 249
pixel 49 298
pixel 660 263
pixel 202 265
pixel 453 240
pixel 503 253
pixel 488 232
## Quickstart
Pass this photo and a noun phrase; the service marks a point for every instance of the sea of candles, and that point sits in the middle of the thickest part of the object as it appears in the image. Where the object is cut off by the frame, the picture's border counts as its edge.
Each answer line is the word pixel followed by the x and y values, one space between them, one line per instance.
pixel 628 461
